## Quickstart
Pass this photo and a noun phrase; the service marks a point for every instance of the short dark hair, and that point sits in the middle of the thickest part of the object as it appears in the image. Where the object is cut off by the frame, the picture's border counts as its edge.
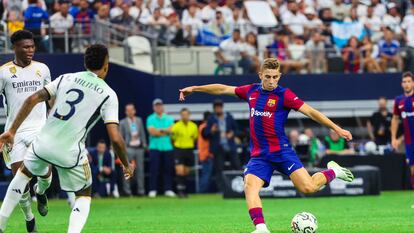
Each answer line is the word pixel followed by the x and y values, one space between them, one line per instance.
pixel 21 35
pixel 184 110
pixel 217 103
pixel 95 56
pixel 408 74
pixel 101 141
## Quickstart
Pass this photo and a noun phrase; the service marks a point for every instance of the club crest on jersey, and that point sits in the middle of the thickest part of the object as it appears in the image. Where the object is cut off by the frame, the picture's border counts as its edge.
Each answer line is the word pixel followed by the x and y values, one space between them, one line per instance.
pixel 13 70
pixel 271 102
pixel 38 73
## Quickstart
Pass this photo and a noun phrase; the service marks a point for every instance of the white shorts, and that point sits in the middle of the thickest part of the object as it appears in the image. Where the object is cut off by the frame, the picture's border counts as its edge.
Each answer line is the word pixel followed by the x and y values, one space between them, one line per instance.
pixel 71 179
pixel 20 146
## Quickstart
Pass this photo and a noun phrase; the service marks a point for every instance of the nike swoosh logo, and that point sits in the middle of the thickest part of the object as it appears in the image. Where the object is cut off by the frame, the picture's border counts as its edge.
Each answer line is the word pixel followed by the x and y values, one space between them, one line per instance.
pixel 296 98
pixel 401 106
pixel 289 168
pixel 251 98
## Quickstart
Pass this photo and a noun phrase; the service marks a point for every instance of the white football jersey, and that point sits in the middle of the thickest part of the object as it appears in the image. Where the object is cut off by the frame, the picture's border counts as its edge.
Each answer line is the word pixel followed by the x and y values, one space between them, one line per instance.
pixel 81 99
pixel 16 84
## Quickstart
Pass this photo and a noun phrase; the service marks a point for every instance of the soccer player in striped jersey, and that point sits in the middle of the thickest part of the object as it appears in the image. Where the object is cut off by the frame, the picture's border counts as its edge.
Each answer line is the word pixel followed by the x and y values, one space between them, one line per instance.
pixel 19 79
pixel 270 150
pixel 81 99
pixel 404 110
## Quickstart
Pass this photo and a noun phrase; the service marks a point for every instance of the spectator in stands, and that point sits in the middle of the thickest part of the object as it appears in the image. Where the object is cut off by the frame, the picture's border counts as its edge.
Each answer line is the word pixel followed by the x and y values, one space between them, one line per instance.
pixel 313 23
pixel 163 5
pixel 361 9
pixel 139 12
pixel 230 51
pixel 293 20
pixel 296 53
pixel 124 21
pixel 204 155
pixel 34 16
pixel 12 5
pixel 379 9
pixel 227 9
pixel 372 24
pixel 408 27
pixel 221 130
pixel 336 145
pixel 101 30
pixel 340 10
pixel 325 14
pixel 191 24
pixel 161 150
pixel 393 18
pixel 389 49
pixel 315 53
pixel 116 10
pixel 74 8
pixel 15 21
pixel 315 144
pixel 133 131
pixel 208 13
pixel 101 166
pixel 351 56
pixel 184 135
pixel 245 25
pixel 369 53
pixel 378 125
pixel 219 26
pixel 352 17
pixel 61 23
pixel 175 31
pixel 179 7
pixel 294 138
pixel 84 17
pixel 251 52
pixel 157 20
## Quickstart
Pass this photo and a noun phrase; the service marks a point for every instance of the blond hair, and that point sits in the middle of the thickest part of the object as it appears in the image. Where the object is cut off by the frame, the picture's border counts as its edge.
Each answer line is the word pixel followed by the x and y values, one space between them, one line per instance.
pixel 270 64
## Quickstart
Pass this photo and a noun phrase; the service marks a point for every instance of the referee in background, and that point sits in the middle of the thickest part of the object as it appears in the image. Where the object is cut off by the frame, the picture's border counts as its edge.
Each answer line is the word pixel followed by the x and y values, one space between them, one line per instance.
pixel 184 136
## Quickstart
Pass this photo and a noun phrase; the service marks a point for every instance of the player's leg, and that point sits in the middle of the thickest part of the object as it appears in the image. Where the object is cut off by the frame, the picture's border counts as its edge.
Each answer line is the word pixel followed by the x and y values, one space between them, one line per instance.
pixel 73 180
pixel 43 183
pixel 256 176
pixel 31 166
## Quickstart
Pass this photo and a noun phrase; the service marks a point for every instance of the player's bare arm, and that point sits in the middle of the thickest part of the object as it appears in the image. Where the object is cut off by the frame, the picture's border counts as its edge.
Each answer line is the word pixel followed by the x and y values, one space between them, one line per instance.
pixel 28 105
pixel 322 119
pixel 395 121
pixel 120 149
pixel 213 89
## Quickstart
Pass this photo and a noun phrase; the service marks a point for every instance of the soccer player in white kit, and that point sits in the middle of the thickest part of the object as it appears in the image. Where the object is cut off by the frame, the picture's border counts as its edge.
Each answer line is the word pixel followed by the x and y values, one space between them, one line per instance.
pixel 19 79
pixel 81 99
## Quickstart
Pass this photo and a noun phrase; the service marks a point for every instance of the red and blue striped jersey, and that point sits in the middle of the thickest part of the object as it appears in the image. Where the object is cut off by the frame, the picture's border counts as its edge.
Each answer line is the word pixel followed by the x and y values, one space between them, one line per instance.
pixel 404 107
pixel 268 113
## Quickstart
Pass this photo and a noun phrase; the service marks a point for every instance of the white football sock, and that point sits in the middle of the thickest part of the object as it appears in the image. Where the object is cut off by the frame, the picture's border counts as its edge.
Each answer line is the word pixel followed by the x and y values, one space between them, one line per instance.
pixel 43 184
pixel 79 214
pixel 71 199
pixel 26 206
pixel 261 226
pixel 13 196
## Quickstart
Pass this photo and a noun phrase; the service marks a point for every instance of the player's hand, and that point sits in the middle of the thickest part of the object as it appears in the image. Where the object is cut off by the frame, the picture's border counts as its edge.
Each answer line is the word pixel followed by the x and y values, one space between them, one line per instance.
pixel 7 138
pixel 186 92
pixel 344 134
pixel 128 171
pixel 395 143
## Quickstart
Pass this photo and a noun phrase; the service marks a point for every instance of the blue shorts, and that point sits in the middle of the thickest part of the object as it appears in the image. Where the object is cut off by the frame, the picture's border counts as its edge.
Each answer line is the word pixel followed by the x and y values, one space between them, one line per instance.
pixel 409 153
pixel 263 167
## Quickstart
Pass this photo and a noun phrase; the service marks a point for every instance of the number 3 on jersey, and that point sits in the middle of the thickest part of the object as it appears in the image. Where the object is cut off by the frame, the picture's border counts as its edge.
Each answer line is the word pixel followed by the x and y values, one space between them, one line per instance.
pixel 71 104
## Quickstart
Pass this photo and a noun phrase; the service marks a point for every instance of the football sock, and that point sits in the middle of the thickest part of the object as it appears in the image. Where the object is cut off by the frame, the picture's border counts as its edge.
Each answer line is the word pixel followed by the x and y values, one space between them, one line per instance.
pixel 181 183
pixel 13 196
pixel 79 214
pixel 329 175
pixel 43 184
pixel 256 214
pixel 26 206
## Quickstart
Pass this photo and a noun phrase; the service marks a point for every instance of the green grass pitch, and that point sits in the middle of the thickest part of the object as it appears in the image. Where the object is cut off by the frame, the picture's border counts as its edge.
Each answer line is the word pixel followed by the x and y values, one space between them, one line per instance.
pixel 390 212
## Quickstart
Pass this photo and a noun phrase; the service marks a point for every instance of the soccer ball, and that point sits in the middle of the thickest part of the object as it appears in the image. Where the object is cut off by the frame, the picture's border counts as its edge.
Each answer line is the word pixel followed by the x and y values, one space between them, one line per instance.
pixel 304 223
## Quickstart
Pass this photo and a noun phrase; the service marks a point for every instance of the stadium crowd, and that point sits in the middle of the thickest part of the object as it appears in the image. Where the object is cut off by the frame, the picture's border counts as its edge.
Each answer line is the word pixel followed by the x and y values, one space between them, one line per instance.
pixel 303 40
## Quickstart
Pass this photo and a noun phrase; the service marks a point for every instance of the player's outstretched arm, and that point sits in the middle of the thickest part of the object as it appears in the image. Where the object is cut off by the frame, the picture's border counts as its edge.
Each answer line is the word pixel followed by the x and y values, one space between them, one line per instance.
pixel 213 89
pixel 322 119
pixel 395 121
pixel 119 148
